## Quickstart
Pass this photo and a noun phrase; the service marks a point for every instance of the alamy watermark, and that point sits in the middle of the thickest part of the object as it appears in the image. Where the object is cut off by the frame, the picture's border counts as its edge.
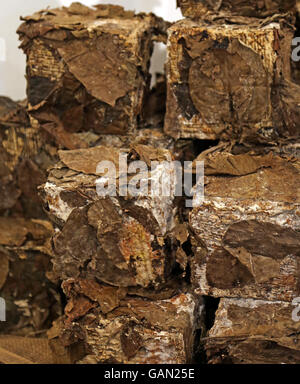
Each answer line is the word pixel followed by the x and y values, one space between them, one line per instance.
pixel 296 311
pixel 2 309
pixel 160 179
pixel 296 51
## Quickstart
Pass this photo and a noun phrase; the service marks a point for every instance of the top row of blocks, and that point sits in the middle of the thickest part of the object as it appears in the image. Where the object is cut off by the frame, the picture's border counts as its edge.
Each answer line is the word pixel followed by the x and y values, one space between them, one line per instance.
pixel 88 70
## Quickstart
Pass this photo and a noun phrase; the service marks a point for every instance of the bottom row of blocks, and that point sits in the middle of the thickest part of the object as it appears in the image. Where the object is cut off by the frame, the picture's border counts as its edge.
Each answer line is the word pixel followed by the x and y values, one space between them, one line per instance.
pixel 123 329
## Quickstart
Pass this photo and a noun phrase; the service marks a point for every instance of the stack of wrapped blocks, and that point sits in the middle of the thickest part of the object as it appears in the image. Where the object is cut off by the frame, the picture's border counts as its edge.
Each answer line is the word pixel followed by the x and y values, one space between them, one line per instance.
pixel 141 278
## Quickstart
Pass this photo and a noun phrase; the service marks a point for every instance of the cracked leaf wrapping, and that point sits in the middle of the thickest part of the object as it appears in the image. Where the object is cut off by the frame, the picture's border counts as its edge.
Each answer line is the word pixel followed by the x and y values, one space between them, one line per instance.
pixel 247 230
pixel 128 241
pixel 248 331
pixel 231 79
pixel 132 330
pixel 88 68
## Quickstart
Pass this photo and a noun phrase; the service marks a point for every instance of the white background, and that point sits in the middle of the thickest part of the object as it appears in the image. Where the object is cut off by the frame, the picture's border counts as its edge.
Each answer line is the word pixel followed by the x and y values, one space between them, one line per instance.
pixel 12 60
